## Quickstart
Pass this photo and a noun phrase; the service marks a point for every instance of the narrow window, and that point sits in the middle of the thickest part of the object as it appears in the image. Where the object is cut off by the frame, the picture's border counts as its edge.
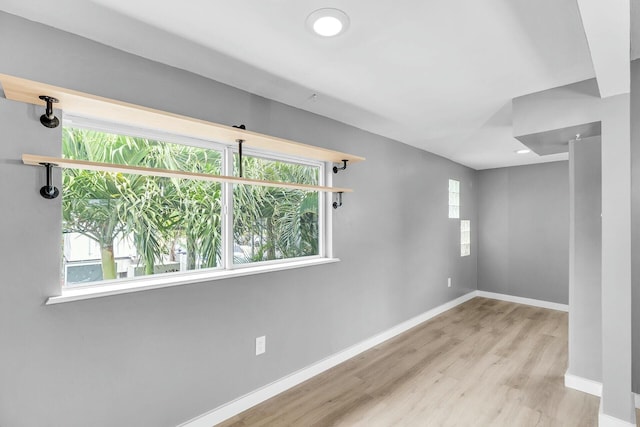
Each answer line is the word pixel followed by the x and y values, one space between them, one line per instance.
pixel 465 237
pixel 454 198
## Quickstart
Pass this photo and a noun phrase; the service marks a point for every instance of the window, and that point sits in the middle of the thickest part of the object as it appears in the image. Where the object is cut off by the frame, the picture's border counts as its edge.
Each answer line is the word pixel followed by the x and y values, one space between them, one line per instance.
pixel 120 226
pixel 465 237
pixel 454 198
pixel 275 223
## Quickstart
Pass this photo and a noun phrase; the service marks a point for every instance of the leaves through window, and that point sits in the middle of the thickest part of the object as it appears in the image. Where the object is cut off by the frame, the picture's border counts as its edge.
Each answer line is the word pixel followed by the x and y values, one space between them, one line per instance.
pixel 122 226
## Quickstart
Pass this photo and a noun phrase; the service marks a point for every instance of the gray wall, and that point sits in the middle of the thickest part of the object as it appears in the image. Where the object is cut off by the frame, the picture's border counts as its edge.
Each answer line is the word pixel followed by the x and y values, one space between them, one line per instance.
pixel 635 220
pixel 523 217
pixel 159 357
pixel 585 266
pixel 577 104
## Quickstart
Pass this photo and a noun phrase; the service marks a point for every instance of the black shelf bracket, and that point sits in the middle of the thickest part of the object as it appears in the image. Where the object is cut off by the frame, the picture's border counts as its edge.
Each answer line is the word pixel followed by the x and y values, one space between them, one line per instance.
pixel 49 191
pixel 48 119
pixel 240 141
pixel 344 166
pixel 337 204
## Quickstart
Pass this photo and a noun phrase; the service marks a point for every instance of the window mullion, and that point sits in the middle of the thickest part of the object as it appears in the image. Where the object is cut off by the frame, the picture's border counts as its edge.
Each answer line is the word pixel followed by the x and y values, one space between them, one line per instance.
pixel 325 211
pixel 227 211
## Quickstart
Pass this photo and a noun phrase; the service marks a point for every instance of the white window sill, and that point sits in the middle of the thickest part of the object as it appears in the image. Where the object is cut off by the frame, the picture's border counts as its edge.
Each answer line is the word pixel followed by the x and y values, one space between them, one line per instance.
pixel 144 284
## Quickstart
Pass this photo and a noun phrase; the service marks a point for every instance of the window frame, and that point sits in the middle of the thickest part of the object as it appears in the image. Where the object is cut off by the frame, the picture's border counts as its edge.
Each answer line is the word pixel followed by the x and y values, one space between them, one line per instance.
pixel 227 267
pixel 228 162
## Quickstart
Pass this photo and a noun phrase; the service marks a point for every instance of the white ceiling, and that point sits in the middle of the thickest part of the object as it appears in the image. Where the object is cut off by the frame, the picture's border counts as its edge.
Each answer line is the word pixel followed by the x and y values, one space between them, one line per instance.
pixel 438 74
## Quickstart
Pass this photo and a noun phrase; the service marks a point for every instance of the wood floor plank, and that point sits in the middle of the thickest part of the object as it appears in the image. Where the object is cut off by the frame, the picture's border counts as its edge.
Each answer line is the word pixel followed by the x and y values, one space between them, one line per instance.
pixel 483 363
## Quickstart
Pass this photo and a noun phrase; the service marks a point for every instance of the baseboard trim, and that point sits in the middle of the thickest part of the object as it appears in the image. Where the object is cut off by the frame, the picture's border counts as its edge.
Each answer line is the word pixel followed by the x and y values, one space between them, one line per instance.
pixel 522 300
pixel 255 397
pixel 583 384
pixel 258 396
pixel 591 387
pixel 605 420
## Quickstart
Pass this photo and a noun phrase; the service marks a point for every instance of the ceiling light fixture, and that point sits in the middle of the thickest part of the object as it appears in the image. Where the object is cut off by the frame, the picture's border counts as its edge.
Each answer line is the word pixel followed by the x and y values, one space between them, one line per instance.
pixel 523 151
pixel 328 22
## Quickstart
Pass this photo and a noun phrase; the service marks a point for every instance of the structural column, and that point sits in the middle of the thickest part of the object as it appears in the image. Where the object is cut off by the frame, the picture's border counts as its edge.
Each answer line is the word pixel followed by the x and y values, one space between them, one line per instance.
pixel 585 262
pixel 616 406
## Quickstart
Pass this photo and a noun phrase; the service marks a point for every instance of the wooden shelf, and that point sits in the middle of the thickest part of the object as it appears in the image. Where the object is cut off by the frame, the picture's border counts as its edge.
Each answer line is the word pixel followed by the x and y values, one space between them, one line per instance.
pixel 87 105
pixel 35 160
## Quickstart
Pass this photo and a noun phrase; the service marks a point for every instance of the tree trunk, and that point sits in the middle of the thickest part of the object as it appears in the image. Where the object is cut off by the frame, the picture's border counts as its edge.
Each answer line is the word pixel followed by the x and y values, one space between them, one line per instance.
pixel 108 263
pixel 172 251
pixel 271 239
pixel 148 266
pixel 149 261
pixel 191 253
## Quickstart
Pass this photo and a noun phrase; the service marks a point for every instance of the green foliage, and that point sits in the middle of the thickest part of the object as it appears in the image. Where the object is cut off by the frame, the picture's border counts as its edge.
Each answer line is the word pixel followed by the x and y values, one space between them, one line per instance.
pixel 160 214
pixel 276 223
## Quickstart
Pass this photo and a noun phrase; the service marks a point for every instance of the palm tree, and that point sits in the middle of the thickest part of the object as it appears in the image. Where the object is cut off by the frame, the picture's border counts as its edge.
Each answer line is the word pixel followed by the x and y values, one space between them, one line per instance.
pixel 95 204
pixel 161 213
pixel 284 221
pixel 154 211
pixel 199 206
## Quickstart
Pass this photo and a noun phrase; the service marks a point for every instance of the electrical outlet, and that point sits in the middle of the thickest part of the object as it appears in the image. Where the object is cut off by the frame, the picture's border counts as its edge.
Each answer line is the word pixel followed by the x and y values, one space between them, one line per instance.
pixel 261 345
pixel 449 282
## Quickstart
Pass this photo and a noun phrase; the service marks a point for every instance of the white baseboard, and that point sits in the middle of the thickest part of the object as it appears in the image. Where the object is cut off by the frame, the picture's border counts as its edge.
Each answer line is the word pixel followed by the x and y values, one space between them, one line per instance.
pixel 592 387
pixel 583 384
pixel 605 420
pixel 255 397
pixel 522 300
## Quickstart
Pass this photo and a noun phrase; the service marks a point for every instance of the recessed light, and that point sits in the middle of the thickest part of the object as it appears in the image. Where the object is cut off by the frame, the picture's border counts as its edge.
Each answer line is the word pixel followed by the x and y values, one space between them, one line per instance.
pixel 523 151
pixel 328 22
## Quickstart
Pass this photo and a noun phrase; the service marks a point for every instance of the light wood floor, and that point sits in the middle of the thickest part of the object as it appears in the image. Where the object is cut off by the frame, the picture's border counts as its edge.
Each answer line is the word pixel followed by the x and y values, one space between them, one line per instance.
pixel 483 363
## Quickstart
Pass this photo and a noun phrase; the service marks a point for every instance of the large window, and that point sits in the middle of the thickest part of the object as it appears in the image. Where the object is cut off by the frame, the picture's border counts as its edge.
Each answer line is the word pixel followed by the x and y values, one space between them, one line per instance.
pixel 121 226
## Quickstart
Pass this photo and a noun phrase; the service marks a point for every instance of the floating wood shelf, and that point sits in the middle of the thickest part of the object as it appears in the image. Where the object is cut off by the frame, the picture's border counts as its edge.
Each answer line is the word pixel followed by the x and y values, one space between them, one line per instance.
pixel 34 160
pixel 87 105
